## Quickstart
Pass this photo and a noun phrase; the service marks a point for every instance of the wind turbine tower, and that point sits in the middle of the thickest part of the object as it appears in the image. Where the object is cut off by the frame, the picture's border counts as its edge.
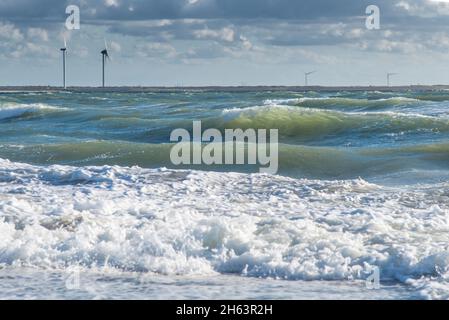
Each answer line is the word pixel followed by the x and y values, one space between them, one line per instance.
pixel 64 51
pixel 306 77
pixel 389 75
pixel 104 55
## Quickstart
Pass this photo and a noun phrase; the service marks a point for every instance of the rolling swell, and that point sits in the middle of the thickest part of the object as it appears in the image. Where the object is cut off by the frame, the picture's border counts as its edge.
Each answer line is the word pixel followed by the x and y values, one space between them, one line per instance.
pixel 322 137
pixel 294 160
pixel 303 123
pixel 309 123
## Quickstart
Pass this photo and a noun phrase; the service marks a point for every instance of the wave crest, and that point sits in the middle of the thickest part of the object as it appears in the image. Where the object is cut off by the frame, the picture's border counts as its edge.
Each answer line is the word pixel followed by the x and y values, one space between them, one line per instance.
pixel 14 111
pixel 307 122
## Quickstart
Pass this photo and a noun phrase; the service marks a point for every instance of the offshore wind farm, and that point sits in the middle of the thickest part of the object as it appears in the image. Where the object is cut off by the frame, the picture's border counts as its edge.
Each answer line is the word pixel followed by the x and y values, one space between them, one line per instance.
pixel 105 55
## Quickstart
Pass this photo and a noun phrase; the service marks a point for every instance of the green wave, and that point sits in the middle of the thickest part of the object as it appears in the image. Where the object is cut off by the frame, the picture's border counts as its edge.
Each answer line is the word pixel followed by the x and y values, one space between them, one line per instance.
pixel 294 160
pixel 434 97
pixel 303 122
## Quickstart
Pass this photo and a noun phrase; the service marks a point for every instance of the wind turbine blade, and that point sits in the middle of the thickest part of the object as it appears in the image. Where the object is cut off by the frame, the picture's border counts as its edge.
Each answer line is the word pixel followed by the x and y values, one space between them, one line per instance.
pixel 108 57
pixel 65 43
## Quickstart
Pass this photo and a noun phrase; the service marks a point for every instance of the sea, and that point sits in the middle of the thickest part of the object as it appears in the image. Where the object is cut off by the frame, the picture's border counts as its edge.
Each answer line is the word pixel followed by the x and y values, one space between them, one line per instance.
pixel 92 207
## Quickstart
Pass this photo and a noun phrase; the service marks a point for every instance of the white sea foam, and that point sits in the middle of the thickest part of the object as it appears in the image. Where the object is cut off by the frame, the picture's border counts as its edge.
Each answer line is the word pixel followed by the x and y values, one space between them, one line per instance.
pixel 282 101
pixel 203 223
pixel 254 110
pixel 10 110
pixel 341 100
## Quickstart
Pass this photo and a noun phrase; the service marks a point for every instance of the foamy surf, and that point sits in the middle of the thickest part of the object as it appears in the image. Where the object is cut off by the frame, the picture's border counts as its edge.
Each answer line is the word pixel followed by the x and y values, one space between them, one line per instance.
pixel 345 103
pixel 190 223
pixel 11 111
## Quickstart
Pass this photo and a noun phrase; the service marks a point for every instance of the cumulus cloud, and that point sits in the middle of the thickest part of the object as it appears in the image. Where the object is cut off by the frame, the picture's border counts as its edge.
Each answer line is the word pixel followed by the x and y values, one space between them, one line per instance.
pixel 226 34
pixel 154 50
pixel 114 46
pixel 111 3
pixel 9 32
pixel 234 27
pixel 38 33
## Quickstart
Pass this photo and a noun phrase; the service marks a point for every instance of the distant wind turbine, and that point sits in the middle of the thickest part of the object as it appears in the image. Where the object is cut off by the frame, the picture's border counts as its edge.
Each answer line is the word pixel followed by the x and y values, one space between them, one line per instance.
pixel 105 55
pixel 306 77
pixel 389 75
pixel 64 51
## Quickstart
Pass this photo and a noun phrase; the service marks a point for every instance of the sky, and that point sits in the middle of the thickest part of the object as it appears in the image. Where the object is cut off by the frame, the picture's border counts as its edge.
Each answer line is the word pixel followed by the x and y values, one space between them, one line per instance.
pixel 225 42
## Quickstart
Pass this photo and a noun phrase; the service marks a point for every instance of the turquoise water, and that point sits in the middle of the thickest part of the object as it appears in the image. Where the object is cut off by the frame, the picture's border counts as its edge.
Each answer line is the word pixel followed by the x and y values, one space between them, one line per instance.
pixel 86 181
pixel 323 135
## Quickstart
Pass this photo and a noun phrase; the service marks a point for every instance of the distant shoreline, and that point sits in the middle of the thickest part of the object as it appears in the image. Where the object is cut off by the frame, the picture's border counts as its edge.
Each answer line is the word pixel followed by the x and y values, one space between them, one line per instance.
pixel 137 89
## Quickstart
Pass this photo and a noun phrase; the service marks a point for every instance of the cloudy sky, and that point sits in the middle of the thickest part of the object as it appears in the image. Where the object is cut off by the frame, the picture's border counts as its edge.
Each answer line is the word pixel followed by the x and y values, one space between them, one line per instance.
pixel 225 42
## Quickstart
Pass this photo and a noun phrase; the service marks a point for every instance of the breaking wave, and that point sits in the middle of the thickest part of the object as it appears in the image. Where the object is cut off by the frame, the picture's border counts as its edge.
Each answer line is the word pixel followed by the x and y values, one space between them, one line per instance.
pixel 346 103
pixel 198 223
pixel 294 160
pixel 307 122
pixel 15 111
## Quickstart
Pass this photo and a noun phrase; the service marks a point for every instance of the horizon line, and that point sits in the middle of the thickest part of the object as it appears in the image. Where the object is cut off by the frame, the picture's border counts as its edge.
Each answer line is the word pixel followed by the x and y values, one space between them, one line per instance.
pixel 130 88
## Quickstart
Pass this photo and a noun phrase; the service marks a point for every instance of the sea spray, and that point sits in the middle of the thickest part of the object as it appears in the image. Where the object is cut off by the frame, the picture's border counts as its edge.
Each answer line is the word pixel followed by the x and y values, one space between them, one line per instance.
pixel 192 223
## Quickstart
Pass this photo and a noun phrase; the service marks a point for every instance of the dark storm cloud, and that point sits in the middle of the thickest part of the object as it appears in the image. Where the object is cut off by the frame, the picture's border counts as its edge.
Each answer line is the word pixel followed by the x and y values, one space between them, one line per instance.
pixel 243 22
pixel 233 9
pixel 25 11
pixel 256 9
pixel 262 14
pixel 205 9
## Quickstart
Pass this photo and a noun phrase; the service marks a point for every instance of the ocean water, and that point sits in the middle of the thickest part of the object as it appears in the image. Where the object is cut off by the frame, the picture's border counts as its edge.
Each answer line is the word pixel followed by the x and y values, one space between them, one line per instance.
pixel 92 207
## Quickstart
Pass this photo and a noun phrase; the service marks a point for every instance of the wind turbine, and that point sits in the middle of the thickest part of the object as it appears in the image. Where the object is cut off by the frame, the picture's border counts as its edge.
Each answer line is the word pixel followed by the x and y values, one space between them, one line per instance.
pixel 306 77
pixel 64 51
pixel 105 55
pixel 389 76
